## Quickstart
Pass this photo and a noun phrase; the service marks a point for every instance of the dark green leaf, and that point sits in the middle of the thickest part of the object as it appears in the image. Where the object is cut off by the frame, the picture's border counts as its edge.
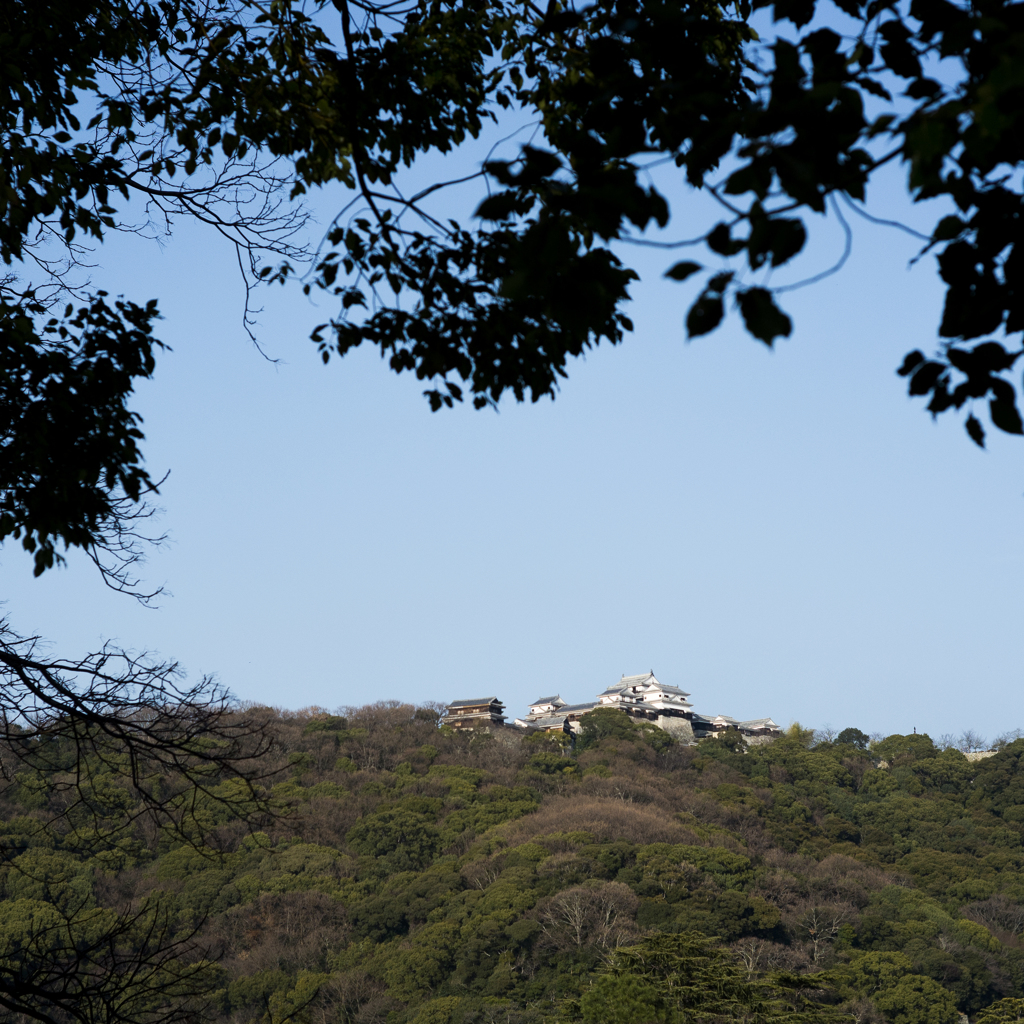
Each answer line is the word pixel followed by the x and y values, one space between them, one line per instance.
pixel 925 378
pixel 497 207
pixel 681 271
pixel 1005 415
pixel 975 430
pixel 912 361
pixel 720 240
pixel 763 318
pixel 705 315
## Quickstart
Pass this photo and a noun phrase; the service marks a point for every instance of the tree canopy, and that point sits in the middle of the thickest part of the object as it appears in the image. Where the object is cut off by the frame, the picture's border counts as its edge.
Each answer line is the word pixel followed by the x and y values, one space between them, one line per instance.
pixel 228 111
pixel 385 870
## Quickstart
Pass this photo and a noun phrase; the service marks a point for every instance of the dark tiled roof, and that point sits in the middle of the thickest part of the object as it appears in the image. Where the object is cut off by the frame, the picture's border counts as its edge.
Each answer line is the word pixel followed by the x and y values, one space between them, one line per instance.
pixel 575 709
pixel 554 721
pixel 477 702
pixel 547 700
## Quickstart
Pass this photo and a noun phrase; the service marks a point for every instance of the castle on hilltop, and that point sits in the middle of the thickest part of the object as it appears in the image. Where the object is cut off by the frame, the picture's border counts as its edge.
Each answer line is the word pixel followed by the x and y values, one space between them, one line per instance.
pixel 641 697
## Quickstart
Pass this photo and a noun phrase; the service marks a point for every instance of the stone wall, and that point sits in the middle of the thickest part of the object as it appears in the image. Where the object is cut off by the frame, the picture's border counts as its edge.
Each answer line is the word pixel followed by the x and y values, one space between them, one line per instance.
pixel 678 728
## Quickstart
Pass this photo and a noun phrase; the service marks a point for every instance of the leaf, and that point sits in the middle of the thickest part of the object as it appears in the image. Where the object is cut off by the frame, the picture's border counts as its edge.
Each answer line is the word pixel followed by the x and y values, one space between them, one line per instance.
pixel 923 89
pixel 925 378
pixel 763 318
pixel 799 12
pixel 705 315
pixel 498 206
pixel 681 271
pixel 1005 415
pixel 721 241
pixel 783 237
pixel 897 52
pixel 912 361
pixel 994 357
pixel 947 229
pixel 788 237
pixel 975 430
pixel 754 177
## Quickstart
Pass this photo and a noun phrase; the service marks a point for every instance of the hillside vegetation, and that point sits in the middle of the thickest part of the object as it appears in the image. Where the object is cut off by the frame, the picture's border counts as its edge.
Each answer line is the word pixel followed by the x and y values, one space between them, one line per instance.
pixel 402 873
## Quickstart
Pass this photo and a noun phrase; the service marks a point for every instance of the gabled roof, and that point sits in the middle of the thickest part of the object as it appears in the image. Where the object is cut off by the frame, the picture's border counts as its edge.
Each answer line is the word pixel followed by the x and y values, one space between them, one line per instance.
pixel 674 690
pixel 547 700
pixel 554 721
pixel 616 688
pixel 646 679
pixel 636 680
pixel 476 702
pixel 577 709
pixel 717 722
pixel 758 723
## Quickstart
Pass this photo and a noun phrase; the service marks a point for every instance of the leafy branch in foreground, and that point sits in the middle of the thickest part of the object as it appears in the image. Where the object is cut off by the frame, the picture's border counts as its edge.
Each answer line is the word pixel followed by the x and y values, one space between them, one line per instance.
pixel 226 113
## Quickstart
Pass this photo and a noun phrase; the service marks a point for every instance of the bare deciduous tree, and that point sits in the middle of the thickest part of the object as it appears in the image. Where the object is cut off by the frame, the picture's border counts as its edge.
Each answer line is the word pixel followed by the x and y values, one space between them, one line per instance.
pixel 1006 738
pixel 86 965
pixel 374 736
pixel 760 956
pixel 114 742
pixel 601 914
pixel 174 745
pixel 998 913
pixel 820 924
pixel 350 997
pixel 971 742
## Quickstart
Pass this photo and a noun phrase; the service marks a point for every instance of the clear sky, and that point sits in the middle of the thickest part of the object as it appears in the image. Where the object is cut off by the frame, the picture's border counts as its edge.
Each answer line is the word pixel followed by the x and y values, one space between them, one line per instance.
pixel 780 533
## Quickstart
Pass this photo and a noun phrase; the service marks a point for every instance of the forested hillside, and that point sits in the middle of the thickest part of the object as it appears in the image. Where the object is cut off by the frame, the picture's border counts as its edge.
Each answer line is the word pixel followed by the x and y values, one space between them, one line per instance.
pixel 400 872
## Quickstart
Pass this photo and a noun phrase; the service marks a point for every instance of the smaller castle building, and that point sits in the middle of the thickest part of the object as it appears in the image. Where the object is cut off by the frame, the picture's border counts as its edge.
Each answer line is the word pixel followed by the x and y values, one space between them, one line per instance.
pixel 475 713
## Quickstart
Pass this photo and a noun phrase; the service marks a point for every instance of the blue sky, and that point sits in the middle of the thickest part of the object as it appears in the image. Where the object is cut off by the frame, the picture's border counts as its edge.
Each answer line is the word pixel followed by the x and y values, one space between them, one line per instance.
pixel 780 533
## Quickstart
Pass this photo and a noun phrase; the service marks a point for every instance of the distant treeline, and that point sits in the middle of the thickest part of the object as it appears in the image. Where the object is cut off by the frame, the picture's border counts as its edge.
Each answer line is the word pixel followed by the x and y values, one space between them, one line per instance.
pixel 389 870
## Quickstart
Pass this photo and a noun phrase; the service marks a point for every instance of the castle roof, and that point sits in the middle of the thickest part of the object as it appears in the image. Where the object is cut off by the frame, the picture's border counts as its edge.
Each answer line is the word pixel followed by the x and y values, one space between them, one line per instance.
pixel 474 703
pixel 644 682
pixel 553 721
pixel 758 723
pixel 577 709
pixel 674 690
pixel 644 677
pixel 547 700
